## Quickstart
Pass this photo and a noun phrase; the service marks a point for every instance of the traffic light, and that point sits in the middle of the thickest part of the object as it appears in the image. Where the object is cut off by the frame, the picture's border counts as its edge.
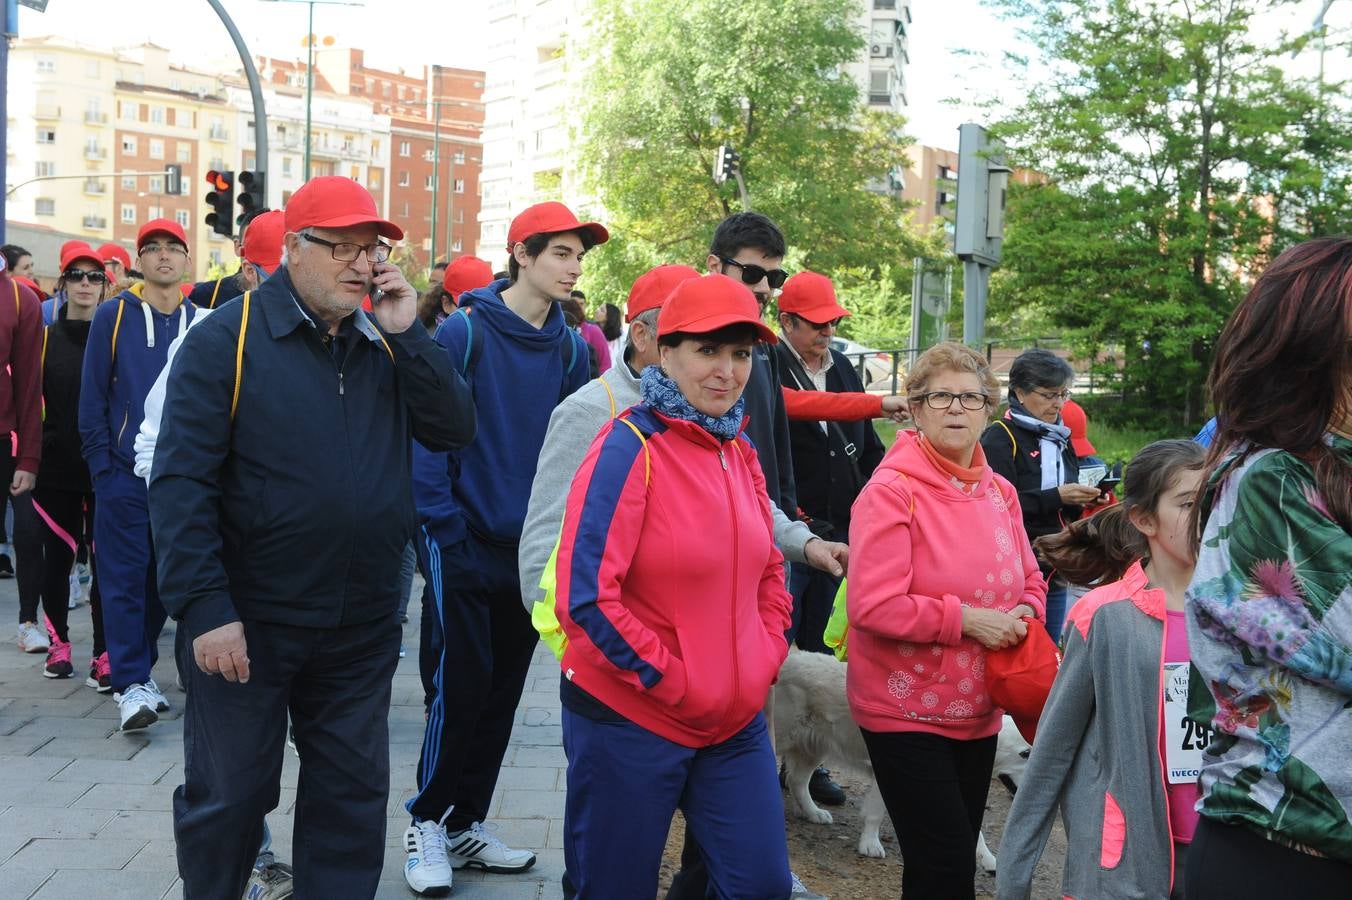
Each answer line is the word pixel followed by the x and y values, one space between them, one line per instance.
pixel 725 163
pixel 221 200
pixel 253 195
pixel 173 179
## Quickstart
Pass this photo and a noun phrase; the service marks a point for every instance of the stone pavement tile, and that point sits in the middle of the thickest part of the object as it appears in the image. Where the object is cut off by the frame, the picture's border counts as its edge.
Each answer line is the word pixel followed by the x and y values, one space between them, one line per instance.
pixel 68 726
pixel 11 745
pixel 133 771
pixel 555 839
pixel 25 770
pixel 142 825
pixel 167 748
pixel 407 733
pixel 548 757
pixel 469 890
pixel 535 715
pixel 156 856
pixel 526 834
pixel 18 883
pixel 538 735
pixel 70 884
pixel 43 794
pixel 127 796
pixel 11 724
pixel 32 705
pixel 66 854
pixel 115 746
pixel 173 775
pixel 530 804
pixel 531 778
pixel 29 822
pixel 175 891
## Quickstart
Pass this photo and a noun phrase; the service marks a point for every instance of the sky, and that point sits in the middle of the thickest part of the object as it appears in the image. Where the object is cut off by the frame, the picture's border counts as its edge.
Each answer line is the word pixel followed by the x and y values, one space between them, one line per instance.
pixel 949 40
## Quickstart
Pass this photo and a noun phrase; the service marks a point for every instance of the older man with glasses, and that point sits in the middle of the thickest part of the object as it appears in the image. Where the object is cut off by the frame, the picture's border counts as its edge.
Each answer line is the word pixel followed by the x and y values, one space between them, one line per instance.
pixel 128 344
pixel 281 497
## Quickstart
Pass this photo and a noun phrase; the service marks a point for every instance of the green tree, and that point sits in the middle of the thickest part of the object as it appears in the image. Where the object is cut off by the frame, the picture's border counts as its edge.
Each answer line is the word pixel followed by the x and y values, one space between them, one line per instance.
pixel 1180 157
pixel 668 83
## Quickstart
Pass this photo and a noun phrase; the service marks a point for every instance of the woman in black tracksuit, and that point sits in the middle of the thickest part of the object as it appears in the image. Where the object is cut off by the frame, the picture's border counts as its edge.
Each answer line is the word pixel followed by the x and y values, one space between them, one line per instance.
pixel 64 497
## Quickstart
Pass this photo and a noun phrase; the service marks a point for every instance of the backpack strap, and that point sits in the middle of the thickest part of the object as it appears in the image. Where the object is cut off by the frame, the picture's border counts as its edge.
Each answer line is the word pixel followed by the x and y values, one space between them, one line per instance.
pixel 470 360
pixel 611 395
pixel 1014 444
pixel 647 457
pixel 18 307
pixel 214 291
pixel 117 325
pixel 45 330
pixel 239 352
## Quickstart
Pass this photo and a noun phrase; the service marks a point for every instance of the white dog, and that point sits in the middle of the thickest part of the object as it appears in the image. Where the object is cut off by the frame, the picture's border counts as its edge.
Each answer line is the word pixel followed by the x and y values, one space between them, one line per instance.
pixel 813 726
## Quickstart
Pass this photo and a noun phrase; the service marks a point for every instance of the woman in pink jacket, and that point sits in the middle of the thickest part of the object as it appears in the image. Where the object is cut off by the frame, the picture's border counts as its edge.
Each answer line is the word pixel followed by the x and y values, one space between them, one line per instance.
pixel 670 592
pixel 940 571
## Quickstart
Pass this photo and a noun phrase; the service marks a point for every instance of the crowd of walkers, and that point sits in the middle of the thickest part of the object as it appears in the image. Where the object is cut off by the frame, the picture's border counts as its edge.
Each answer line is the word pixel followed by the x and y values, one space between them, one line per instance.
pixel 670 496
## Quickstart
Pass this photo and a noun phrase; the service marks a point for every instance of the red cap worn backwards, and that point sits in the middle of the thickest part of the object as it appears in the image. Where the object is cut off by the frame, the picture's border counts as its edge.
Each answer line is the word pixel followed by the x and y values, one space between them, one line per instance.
pixel 811 296
pixel 263 240
pixel 1072 414
pixel 550 218
pixel 708 303
pixel 466 273
pixel 160 226
pixel 332 201
pixel 110 251
pixel 652 288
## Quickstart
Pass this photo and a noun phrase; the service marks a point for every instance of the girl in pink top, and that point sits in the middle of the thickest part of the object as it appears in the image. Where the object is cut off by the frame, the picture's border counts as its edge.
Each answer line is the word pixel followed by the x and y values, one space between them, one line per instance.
pixel 1115 750
pixel 940 571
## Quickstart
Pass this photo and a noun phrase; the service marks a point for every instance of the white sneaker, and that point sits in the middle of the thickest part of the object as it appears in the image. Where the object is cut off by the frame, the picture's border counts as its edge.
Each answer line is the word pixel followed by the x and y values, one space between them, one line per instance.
pixel 33 638
pixel 161 702
pixel 137 707
pixel 427 869
pixel 477 847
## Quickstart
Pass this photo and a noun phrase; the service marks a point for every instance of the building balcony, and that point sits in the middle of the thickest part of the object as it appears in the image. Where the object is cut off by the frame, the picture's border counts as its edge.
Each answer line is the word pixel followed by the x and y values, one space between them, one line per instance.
pixel 95 154
pixel 94 117
pixel 94 223
pixel 218 134
pixel 96 187
pixel 47 111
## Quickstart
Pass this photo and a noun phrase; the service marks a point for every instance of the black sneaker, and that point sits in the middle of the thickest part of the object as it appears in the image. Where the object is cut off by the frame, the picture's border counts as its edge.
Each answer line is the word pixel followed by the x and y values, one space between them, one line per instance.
pixel 823 790
pixel 6 567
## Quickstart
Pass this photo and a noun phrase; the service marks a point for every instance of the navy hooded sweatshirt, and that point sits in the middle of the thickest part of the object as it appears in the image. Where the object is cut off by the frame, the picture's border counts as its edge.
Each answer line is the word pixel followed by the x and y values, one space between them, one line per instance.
pixel 518 373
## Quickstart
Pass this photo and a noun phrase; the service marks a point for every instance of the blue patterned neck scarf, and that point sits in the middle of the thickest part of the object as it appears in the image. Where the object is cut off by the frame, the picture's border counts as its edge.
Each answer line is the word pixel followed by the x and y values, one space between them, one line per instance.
pixel 662 395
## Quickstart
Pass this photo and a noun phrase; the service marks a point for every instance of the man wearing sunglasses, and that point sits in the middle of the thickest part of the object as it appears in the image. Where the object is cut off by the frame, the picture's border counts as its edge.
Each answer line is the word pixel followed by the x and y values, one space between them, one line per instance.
pixel 128 345
pixel 281 499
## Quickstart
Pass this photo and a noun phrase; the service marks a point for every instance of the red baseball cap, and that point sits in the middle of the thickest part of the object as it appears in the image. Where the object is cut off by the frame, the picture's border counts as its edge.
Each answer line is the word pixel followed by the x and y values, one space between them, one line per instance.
pixel 77 252
pixel 811 296
pixel 551 218
pixel 1019 678
pixel 465 273
pixel 110 251
pixel 160 226
pixel 653 287
pixel 332 201
pixel 708 303
pixel 65 248
pixel 1073 415
pixel 263 240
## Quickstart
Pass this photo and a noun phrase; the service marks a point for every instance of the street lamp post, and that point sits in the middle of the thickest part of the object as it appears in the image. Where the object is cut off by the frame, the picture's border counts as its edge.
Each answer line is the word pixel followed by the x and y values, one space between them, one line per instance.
pixel 310 63
pixel 436 164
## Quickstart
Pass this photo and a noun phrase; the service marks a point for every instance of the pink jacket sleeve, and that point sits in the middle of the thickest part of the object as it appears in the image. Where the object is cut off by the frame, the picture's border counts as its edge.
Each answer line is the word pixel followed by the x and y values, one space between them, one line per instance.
pixel 879 600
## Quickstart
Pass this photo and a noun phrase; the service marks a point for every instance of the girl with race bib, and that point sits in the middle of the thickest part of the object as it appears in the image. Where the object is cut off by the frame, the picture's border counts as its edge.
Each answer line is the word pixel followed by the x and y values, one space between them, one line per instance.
pixel 1115 749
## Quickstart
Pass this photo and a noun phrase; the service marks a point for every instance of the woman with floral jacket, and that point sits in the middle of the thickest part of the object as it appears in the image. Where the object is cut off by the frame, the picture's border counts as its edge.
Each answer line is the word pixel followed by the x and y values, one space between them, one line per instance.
pixel 1270 604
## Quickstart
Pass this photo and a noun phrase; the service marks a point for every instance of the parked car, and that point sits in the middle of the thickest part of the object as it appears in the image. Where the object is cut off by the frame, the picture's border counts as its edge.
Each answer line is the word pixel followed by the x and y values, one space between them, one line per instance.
pixel 876 372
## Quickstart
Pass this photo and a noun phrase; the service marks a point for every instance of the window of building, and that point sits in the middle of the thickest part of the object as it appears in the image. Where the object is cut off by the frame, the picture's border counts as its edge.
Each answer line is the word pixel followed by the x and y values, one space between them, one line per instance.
pixel 460 185
pixel 129 145
pixel 427 182
pixel 385 90
pixel 184 152
pixel 405 149
pixel 374 181
pixel 460 157
pixel 214 256
pixel 459 216
pixel 128 213
pixel 286 167
pixel 455 246
pixel 46 64
pixel 404 214
pixel 46 135
pixel 181 217
pixel 129 111
pixel 355 173
pixel 128 182
pixel 44 206
pixel 403 179
pixel 375 149
pixel 44 169
pixel 156 184
pixel 157 115
pixel 92 68
pixel 156 148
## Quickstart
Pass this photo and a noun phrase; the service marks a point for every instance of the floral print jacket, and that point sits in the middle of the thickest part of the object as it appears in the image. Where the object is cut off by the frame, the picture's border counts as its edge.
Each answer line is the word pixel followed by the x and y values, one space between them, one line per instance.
pixel 1270 628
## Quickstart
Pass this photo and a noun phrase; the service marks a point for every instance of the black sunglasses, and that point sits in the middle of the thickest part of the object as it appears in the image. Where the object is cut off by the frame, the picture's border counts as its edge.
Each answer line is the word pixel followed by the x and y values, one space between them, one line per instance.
pixel 753 274
pixel 97 276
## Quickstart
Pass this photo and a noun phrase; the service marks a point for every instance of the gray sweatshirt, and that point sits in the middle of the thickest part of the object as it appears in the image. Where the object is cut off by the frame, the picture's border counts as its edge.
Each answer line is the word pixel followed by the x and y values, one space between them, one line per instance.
pixel 1097 756
pixel 573 426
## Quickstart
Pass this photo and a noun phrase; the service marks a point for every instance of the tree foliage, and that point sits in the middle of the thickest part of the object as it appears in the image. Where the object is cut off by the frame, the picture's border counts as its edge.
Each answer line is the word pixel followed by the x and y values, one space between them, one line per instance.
pixel 1180 158
pixel 668 83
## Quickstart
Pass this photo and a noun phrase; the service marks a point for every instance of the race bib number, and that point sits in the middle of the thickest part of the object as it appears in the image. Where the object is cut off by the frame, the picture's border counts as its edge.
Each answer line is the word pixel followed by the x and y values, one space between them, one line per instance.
pixel 1184 739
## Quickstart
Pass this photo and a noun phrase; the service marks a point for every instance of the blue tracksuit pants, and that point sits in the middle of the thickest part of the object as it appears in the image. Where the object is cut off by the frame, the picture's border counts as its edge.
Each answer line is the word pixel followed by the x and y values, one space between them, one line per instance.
pixel 624 784
pixel 132 613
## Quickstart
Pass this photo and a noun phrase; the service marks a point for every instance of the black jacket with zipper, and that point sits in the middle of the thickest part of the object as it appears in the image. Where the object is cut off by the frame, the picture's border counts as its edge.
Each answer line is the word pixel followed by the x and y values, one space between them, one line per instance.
pixel 63 465
pixel 1020 462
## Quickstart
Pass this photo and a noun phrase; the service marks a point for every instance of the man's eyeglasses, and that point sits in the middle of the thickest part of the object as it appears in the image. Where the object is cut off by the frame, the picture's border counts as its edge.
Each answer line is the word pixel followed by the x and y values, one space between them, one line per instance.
pixel 970 400
pixel 1051 396
pixel 156 249
pixel 753 274
pixel 95 276
pixel 346 251
pixel 816 326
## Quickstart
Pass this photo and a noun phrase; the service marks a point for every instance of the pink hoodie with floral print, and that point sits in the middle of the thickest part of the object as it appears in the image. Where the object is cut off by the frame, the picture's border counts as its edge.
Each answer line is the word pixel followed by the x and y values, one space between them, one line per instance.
pixel 920 550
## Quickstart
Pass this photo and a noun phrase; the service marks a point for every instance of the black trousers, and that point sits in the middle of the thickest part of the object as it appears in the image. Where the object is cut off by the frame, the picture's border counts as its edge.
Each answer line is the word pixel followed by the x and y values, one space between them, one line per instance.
pixel 487 644
pixel 935 791
pixel 68 524
pixel 1231 862
pixel 335 683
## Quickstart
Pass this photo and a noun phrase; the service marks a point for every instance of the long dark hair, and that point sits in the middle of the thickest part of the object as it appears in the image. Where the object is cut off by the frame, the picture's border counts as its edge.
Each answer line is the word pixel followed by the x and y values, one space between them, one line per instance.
pixel 1103 546
pixel 1282 374
pixel 612 322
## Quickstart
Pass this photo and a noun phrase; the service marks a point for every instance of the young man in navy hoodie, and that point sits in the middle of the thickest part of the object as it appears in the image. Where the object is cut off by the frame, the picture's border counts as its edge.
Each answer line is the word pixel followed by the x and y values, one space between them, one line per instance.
pixel 510 342
pixel 128 344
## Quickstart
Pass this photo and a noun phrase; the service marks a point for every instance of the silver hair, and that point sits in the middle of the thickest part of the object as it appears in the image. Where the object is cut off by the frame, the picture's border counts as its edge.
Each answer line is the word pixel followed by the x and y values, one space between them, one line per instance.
pixel 647 318
pixel 306 230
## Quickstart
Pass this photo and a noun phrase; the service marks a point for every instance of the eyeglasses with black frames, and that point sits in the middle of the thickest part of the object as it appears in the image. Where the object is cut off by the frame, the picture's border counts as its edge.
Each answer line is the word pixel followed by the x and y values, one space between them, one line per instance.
pixel 347 251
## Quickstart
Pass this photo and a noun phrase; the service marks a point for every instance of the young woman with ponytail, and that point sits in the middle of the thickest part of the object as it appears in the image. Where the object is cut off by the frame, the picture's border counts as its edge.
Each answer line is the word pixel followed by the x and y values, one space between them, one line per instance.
pixel 1114 751
pixel 1270 604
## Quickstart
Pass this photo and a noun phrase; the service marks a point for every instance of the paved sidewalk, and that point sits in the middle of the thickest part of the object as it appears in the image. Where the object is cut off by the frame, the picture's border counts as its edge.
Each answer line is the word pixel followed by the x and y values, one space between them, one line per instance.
pixel 85 810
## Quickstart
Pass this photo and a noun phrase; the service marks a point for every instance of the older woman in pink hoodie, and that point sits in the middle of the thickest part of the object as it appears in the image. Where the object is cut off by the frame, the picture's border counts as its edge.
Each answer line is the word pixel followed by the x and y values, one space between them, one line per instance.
pixel 940 572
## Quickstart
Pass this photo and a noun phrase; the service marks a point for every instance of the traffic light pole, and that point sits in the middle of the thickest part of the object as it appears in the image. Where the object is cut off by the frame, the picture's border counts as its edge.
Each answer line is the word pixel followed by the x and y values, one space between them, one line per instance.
pixel 256 91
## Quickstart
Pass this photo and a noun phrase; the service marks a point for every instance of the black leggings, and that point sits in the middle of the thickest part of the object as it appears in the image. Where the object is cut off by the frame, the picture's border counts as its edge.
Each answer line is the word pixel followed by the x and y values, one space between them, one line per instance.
pixel 68 523
pixel 935 791
pixel 1231 862
pixel 27 555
